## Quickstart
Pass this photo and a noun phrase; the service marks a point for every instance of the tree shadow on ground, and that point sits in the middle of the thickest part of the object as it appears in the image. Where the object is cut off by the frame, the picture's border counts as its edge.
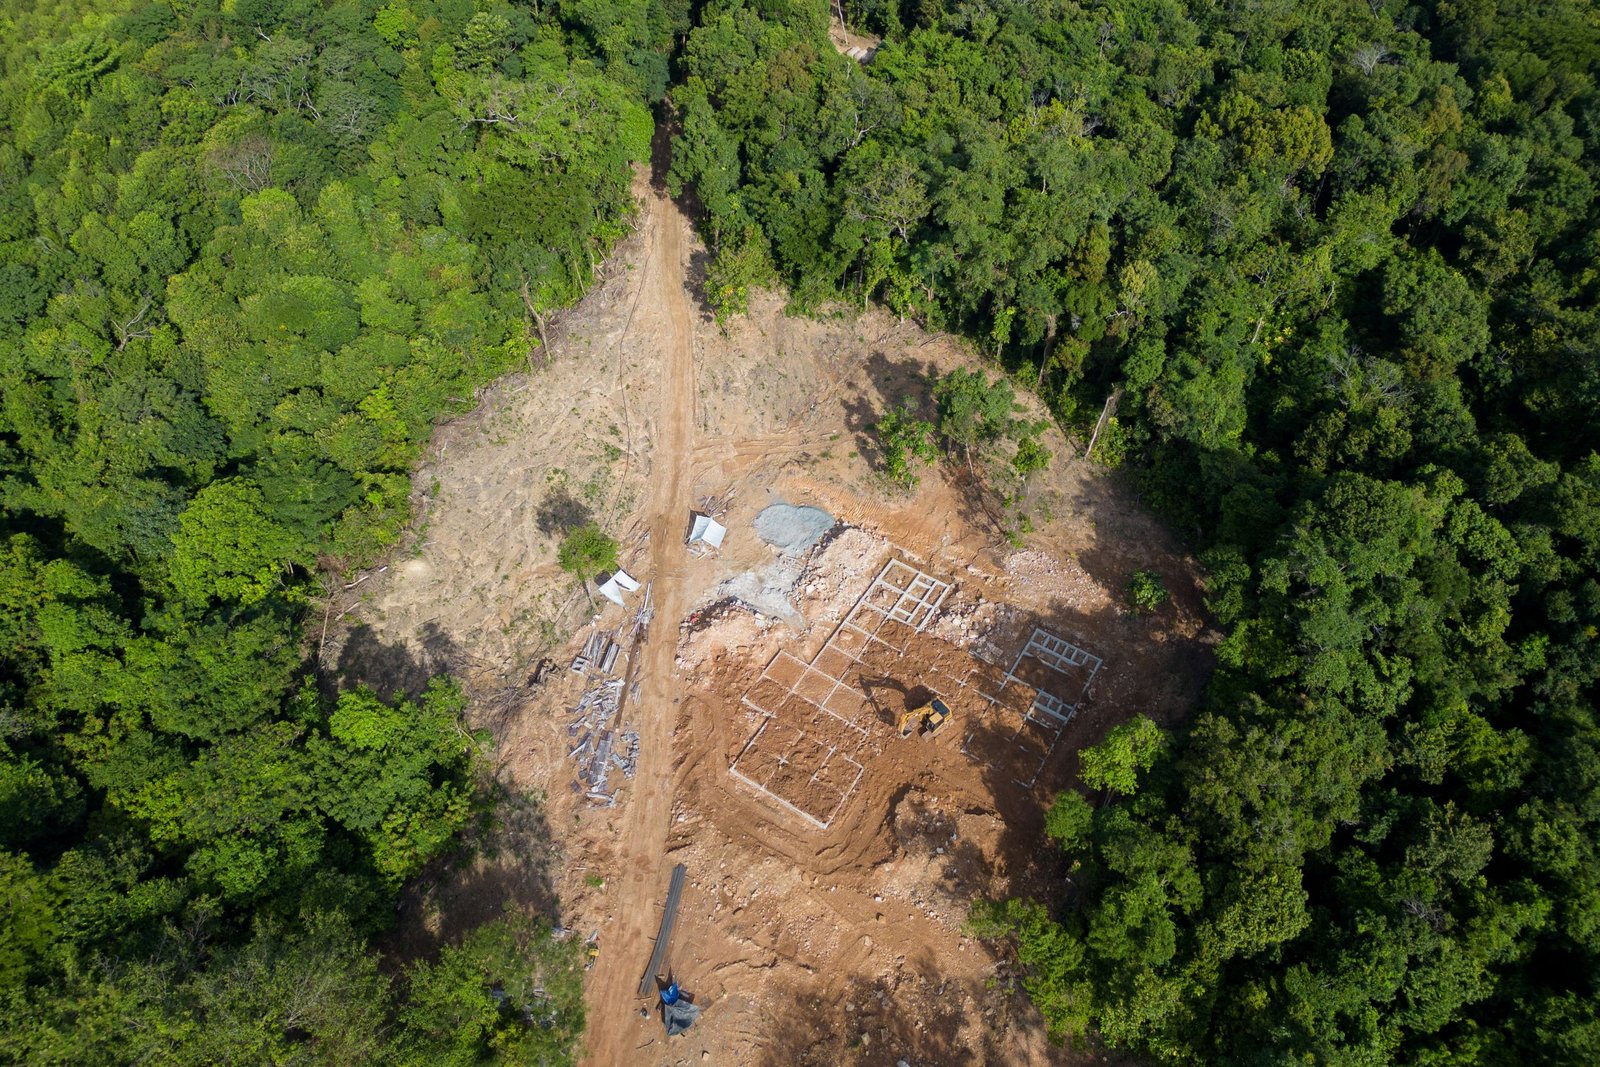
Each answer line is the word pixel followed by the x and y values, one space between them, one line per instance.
pixel 977 502
pixel 874 1021
pixel 1129 664
pixel 667 127
pixel 1127 538
pixel 1139 674
pixel 919 1012
pixel 695 279
pixel 392 669
pixel 1143 671
pixel 560 512
pixel 917 1017
pixel 890 382
pixel 505 863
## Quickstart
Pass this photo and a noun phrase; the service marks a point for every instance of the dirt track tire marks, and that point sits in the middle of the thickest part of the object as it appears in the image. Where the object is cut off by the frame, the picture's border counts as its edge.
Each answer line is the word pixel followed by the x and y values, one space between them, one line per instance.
pixel 615 1027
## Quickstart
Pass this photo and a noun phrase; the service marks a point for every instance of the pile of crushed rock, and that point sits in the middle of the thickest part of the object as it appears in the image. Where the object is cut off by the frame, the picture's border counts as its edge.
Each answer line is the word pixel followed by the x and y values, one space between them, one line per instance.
pixel 793 528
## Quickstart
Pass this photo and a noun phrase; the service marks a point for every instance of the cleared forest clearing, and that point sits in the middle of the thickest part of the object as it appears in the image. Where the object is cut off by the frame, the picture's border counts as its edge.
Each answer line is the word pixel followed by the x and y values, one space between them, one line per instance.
pixel 850 914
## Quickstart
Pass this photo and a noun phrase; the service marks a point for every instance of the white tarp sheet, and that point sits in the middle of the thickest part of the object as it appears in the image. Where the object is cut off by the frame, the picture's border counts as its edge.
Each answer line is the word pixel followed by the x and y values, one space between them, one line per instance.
pixel 613 587
pixel 708 530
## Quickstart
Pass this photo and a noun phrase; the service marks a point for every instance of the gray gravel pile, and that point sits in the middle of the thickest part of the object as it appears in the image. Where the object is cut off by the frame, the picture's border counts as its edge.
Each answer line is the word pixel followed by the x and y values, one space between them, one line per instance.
pixel 792 528
pixel 768 591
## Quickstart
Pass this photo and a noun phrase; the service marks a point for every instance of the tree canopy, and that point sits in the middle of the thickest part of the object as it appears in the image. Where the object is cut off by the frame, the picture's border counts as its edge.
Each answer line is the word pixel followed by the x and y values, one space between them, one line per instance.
pixel 1340 261
pixel 249 253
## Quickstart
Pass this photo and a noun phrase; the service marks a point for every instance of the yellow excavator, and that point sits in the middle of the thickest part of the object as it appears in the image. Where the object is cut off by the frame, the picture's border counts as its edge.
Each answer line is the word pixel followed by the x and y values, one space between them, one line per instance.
pixel 925 719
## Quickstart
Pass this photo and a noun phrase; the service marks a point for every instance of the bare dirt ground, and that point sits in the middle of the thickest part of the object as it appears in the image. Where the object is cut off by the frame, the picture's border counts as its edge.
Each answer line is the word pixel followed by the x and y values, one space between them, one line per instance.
pixel 844 39
pixel 841 945
pixel 641 858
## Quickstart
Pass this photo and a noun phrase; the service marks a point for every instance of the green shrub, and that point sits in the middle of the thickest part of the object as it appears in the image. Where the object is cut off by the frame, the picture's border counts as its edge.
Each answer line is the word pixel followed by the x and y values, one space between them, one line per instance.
pixel 1147 592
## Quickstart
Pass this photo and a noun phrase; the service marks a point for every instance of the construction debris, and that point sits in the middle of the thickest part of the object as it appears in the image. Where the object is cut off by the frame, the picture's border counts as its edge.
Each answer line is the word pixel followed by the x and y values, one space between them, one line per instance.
pixel 678 1009
pixel 599 651
pixel 597 745
pixel 715 504
pixel 705 531
pixel 766 591
pixel 661 953
pixel 646 613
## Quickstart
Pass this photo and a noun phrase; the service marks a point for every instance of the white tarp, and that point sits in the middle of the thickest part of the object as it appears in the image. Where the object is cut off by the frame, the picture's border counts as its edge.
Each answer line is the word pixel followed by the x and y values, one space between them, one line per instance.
pixel 708 530
pixel 614 586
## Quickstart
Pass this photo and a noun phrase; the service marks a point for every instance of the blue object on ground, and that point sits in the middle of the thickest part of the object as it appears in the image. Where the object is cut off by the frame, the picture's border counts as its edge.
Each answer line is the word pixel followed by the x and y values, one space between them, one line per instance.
pixel 679 1017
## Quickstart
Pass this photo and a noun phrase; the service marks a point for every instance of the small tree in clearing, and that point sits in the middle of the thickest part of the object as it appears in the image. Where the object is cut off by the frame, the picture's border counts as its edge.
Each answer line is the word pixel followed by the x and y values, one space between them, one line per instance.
pixel 586 550
pixel 741 264
pixel 974 410
pixel 1031 457
pixel 907 442
pixel 1147 591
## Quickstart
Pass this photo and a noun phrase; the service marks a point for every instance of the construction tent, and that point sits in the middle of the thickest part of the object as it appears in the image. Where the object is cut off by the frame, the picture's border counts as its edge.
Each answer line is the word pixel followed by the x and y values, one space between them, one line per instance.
pixel 613 587
pixel 708 530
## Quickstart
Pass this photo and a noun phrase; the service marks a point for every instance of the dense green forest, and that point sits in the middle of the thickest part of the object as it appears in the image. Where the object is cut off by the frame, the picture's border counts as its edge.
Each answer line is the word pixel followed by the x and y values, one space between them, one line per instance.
pixel 249 252
pixel 1341 257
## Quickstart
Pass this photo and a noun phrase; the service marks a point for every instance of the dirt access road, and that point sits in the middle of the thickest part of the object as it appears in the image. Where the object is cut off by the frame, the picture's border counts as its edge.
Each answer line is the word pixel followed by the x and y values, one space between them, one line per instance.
pixel 642 846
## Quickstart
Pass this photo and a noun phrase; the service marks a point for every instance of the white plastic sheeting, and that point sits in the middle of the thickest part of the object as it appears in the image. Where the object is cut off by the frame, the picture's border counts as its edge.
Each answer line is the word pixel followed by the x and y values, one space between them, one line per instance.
pixel 613 587
pixel 708 530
